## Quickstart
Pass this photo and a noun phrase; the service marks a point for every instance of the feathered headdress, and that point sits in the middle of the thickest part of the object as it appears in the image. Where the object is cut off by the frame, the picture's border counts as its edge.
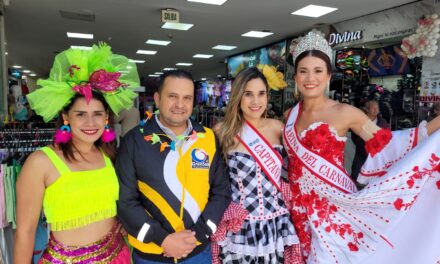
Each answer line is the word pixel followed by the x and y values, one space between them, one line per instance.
pixel 83 71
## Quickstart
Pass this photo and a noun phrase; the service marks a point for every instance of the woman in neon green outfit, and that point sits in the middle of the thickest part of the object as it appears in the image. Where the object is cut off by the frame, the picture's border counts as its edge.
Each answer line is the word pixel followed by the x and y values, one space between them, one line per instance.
pixel 73 180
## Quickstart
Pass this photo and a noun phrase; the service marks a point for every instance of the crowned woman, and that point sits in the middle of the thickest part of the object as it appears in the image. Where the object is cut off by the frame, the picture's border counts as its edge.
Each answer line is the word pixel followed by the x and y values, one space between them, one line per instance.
pixel 390 219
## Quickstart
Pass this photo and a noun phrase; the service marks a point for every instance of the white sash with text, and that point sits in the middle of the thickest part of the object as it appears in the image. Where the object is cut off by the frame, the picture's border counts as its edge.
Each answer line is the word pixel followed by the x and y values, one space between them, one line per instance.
pixel 261 150
pixel 322 168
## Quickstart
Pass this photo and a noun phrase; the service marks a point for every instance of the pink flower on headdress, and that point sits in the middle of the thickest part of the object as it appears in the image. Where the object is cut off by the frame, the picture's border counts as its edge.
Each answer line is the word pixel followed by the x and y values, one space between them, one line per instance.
pixel 99 80
pixel 105 81
pixel 85 89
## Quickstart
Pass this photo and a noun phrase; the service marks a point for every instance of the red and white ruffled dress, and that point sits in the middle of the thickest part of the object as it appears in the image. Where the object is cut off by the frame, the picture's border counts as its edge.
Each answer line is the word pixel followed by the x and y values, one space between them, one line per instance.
pixel 394 219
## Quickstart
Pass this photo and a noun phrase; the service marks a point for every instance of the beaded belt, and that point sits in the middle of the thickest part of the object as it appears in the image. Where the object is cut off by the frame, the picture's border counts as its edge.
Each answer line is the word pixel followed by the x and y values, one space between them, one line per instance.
pixel 102 251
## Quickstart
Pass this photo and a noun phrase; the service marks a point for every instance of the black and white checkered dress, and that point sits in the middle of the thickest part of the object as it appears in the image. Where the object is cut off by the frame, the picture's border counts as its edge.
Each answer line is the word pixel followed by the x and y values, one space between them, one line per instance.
pixel 268 227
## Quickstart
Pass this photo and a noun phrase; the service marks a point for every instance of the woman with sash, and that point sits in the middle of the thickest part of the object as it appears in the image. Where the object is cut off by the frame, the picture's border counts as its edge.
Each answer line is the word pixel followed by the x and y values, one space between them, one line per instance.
pixel 390 219
pixel 260 229
pixel 73 180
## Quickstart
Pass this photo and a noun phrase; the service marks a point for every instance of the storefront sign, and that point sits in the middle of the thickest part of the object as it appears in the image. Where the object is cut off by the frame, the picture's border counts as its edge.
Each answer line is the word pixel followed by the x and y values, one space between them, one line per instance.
pixel 347 36
pixel 170 15
pixel 430 99
pixel 391 23
pixel 430 91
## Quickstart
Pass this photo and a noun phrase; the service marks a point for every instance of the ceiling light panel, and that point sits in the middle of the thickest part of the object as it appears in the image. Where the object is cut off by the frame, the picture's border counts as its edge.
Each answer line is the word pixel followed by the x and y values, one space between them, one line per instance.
pixel 177 26
pixel 256 34
pixel 203 56
pixel 136 61
pixel 183 64
pixel 224 47
pixel 146 52
pixel 314 11
pixel 81 47
pixel 158 42
pixel 79 35
pixel 209 2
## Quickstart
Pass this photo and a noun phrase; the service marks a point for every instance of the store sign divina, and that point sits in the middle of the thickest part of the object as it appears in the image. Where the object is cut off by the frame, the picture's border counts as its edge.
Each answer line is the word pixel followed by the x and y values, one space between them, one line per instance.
pixel 347 36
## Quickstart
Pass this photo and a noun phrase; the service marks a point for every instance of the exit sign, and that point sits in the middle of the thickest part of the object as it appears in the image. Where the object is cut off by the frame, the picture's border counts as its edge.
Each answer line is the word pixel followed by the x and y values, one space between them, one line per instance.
pixel 169 15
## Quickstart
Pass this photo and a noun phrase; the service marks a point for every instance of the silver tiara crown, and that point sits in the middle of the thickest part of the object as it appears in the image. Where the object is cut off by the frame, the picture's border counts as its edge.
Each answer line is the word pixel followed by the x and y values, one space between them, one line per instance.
pixel 313 41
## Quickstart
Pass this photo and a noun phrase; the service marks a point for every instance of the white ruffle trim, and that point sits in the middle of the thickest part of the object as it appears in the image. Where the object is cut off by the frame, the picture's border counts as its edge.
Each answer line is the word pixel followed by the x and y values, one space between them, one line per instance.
pixel 317 124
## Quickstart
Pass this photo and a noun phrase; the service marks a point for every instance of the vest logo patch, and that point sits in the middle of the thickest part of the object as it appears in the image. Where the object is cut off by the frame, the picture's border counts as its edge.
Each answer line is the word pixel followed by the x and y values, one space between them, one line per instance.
pixel 200 159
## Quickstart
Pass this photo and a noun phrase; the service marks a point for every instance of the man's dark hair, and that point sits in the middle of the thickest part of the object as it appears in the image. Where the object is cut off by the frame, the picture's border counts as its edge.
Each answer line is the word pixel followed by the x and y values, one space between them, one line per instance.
pixel 174 73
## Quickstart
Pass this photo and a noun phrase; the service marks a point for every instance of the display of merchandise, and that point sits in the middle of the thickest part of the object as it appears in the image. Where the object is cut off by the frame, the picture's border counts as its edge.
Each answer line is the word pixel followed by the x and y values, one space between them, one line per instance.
pixel 351 83
pixel 380 94
pixel 213 93
pixel 15 146
pixel 276 100
pixel 400 107
pixel 208 116
pixel 352 65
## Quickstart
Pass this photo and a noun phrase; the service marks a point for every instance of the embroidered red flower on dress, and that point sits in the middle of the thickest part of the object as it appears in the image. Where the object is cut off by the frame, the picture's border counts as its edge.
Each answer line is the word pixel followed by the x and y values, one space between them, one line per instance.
pixel 324 142
pixel 307 206
pixel 380 139
pixel 295 168
pixel 398 203
pixel 434 159
pixel 300 221
pixel 352 246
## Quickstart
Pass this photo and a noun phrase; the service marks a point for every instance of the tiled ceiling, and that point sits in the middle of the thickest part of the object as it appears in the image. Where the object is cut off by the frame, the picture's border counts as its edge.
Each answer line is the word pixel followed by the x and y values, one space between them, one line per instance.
pixel 35 30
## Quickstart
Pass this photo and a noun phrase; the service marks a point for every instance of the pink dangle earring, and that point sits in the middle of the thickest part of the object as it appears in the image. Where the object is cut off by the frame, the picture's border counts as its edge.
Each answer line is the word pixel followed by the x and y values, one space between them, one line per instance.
pixel 109 134
pixel 63 135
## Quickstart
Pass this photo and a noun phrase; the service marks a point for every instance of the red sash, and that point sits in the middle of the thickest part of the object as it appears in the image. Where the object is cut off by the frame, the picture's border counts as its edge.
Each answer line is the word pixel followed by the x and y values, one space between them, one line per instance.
pixel 324 169
pixel 261 150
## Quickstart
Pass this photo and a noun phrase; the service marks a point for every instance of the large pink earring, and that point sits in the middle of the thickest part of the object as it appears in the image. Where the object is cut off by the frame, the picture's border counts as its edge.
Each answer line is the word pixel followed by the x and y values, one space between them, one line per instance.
pixel 63 134
pixel 108 135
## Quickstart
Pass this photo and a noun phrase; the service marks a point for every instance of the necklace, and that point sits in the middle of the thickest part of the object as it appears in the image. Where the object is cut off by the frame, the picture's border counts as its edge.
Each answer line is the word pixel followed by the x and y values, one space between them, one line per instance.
pixel 159 138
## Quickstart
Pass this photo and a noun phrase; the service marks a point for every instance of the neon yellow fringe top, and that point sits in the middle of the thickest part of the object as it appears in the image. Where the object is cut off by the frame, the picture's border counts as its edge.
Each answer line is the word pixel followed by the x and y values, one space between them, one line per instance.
pixel 79 198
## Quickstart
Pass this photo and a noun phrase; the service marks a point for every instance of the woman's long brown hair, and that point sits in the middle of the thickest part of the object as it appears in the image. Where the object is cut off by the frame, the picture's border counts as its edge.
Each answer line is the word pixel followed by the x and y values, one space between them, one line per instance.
pixel 233 121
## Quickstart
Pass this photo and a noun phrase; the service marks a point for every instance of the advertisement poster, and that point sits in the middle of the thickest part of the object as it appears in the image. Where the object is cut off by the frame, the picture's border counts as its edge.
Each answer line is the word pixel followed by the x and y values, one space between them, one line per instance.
pixel 389 60
pixel 272 61
pixel 273 55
